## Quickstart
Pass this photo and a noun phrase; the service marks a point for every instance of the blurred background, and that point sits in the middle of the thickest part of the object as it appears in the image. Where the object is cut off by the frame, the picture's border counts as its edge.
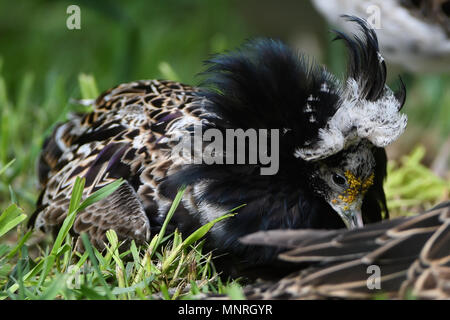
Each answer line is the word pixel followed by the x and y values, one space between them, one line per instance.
pixel 119 41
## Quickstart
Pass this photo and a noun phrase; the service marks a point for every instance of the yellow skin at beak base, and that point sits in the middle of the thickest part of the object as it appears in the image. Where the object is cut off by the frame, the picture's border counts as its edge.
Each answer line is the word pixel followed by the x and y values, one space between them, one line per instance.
pixel 346 202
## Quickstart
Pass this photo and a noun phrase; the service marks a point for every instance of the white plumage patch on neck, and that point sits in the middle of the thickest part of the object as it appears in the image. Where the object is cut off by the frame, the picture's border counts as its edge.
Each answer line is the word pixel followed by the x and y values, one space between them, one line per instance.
pixel 377 121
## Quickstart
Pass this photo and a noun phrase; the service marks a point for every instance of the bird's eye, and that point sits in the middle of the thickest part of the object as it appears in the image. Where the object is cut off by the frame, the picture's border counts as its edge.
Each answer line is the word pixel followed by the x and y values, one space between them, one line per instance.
pixel 339 180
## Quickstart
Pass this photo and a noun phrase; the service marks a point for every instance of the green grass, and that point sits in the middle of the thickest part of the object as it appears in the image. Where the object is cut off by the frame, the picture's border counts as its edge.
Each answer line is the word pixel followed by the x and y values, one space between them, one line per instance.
pixel 411 187
pixel 169 267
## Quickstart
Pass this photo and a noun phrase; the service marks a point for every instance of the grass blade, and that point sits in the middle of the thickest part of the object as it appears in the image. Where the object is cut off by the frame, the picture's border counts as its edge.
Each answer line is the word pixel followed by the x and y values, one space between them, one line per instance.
pixel 10 218
pixel 88 248
pixel 196 235
pixel 88 87
pixel 100 194
pixel 172 209
pixel 2 170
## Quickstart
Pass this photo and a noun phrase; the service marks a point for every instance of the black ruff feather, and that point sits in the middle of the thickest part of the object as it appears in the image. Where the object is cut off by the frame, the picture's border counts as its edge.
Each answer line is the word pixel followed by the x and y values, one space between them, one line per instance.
pixel 265 84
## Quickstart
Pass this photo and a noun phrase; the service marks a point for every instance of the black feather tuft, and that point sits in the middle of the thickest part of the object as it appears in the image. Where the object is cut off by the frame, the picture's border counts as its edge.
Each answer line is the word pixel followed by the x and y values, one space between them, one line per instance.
pixel 365 65
pixel 265 84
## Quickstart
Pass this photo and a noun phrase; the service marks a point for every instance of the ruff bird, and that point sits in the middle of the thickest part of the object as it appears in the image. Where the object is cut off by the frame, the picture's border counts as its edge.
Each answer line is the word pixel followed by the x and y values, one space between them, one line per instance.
pixel 329 137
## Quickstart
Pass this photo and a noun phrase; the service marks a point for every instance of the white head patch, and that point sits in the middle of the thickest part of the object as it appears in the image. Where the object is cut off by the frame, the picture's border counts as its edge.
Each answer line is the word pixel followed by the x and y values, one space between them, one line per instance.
pixel 377 121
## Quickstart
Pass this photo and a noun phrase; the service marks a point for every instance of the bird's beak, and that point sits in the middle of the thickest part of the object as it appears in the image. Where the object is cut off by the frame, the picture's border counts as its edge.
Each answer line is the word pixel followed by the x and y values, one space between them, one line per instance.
pixel 353 219
pixel 350 214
